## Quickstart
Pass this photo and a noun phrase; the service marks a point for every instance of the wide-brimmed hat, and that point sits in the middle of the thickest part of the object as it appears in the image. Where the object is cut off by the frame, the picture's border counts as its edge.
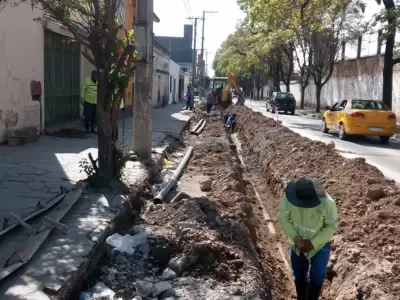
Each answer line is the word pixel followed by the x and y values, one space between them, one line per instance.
pixel 305 192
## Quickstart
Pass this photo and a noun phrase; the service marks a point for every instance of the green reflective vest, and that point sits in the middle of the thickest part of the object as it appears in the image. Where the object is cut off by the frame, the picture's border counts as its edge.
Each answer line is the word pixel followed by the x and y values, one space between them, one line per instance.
pixel 316 224
pixel 89 91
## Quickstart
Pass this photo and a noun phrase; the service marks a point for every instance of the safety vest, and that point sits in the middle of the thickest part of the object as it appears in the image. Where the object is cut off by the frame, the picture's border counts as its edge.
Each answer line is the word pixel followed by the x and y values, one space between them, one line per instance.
pixel 89 91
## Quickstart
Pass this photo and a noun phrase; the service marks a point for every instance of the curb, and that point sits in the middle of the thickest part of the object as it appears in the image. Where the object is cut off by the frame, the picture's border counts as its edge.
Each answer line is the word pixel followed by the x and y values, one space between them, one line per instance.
pixel 73 286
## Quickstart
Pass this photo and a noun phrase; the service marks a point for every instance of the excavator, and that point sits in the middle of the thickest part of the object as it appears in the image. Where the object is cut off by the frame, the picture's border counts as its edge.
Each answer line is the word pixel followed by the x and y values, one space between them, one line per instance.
pixel 222 86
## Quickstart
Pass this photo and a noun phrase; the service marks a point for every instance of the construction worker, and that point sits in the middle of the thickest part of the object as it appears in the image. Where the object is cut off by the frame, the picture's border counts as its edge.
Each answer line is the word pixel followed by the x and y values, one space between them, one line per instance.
pixel 188 96
pixel 209 101
pixel 89 101
pixel 308 215
pixel 231 123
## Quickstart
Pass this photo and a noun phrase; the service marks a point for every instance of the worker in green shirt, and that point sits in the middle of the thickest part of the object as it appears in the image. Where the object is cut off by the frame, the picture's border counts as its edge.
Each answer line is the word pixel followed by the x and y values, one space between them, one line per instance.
pixel 89 101
pixel 308 215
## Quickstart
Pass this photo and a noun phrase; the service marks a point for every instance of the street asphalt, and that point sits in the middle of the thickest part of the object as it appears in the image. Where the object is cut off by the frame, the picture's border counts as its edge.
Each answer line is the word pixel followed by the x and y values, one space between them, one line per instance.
pixel 384 157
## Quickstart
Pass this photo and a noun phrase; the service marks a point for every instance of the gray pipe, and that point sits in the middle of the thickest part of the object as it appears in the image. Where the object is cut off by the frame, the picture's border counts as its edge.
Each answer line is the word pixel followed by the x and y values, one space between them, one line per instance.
pixel 174 178
pixel 200 129
pixel 193 131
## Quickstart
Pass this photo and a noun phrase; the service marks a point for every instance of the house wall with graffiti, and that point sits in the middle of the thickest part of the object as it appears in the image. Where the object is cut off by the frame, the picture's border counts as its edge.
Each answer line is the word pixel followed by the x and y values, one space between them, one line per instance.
pixel 21 61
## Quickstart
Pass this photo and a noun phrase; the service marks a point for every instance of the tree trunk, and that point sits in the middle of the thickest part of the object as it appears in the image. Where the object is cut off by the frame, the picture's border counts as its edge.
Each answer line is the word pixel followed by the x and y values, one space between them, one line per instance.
pixel 302 96
pixel 318 86
pixel 388 71
pixel 262 93
pixel 288 87
pixel 388 58
pixel 105 146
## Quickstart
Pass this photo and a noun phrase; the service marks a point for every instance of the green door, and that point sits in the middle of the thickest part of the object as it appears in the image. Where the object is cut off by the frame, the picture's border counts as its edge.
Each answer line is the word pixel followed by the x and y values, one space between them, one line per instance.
pixel 61 79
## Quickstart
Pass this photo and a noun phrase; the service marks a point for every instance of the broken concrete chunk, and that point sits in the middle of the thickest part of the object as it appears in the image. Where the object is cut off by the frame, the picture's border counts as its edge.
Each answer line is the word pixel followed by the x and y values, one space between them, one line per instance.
pixel 137 298
pixel 181 262
pixel 168 274
pixel 205 185
pixel 160 288
pixel 143 288
pixel 101 291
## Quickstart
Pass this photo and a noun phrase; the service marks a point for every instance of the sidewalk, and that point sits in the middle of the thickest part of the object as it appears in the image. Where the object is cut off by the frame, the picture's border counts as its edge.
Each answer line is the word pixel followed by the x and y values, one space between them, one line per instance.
pixel 35 172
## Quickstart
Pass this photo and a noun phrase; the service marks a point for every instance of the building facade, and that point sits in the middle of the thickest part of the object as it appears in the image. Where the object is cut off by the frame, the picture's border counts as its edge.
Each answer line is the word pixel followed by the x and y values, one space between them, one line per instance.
pixel 180 48
pixel 47 60
pixel 160 75
pixel 174 69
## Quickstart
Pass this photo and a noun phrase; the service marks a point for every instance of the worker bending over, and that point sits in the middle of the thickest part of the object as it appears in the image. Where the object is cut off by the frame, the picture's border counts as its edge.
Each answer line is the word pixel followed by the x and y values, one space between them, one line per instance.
pixel 308 215
pixel 231 122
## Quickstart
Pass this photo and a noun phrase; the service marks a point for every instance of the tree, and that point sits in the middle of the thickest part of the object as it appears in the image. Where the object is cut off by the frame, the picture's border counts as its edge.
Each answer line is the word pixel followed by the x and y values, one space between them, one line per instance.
pixel 390 18
pixel 95 24
pixel 298 24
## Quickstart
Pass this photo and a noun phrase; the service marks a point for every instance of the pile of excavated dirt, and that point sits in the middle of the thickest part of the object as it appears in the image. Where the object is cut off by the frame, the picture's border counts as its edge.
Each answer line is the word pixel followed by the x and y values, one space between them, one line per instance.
pixel 364 261
pixel 212 244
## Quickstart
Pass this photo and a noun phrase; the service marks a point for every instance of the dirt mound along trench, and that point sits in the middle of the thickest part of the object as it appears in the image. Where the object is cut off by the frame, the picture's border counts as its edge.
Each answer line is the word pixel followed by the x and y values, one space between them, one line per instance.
pixel 364 261
pixel 199 247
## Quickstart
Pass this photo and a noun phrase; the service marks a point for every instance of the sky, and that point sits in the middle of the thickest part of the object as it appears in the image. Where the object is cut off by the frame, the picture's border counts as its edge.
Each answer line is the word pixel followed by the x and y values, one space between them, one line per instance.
pixel 174 14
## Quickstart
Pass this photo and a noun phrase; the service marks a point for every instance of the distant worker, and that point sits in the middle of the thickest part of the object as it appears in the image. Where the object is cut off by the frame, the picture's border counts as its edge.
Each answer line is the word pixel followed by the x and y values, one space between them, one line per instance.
pixel 226 117
pixel 89 101
pixel 209 102
pixel 231 123
pixel 189 95
pixel 308 215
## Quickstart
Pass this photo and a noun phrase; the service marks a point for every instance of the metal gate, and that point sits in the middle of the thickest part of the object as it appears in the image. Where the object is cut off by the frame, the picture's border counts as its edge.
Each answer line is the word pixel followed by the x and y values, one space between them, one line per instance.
pixel 61 79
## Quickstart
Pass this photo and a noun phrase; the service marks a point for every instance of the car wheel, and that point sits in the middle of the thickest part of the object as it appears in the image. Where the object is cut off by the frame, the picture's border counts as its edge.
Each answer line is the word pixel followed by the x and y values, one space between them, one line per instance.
pixel 273 111
pixel 292 112
pixel 384 139
pixel 324 129
pixel 285 112
pixel 342 132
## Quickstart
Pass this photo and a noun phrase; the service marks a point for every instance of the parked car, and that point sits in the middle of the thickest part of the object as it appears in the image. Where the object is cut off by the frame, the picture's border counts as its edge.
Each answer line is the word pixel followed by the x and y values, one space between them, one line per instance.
pixel 282 101
pixel 360 117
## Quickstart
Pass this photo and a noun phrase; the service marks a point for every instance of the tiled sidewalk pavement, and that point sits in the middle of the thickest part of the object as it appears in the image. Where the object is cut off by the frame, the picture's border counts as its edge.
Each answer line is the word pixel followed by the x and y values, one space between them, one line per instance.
pixel 35 172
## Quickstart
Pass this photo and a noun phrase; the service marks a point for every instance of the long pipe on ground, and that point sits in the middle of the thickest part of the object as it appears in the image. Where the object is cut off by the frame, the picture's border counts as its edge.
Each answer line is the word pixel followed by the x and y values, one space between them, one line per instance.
pixel 193 131
pixel 200 129
pixel 174 178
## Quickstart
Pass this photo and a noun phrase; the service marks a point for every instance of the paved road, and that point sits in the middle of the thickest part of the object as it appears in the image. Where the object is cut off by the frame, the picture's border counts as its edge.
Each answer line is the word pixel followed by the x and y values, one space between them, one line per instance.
pixel 384 157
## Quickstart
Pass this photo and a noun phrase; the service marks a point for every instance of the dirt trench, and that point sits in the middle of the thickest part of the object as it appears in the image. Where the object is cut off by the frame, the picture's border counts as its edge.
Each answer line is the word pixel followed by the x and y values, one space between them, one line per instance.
pixel 364 262
pixel 212 244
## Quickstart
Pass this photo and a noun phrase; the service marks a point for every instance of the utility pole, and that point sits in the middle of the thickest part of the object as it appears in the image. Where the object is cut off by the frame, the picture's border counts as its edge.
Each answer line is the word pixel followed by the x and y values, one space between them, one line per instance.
pixel 142 123
pixel 202 66
pixel 194 59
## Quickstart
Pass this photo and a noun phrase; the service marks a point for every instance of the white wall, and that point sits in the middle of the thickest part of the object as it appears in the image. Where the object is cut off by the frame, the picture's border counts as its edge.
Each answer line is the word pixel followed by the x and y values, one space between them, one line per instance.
pixel 160 76
pixel 21 61
pixel 173 75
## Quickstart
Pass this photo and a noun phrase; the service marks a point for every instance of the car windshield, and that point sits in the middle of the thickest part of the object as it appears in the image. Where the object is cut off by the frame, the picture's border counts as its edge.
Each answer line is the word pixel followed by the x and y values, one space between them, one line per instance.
pixel 368 104
pixel 284 96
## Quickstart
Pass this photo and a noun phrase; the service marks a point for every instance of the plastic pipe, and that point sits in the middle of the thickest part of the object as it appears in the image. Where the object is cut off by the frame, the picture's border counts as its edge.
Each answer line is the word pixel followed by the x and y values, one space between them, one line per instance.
pixel 193 131
pixel 174 178
pixel 200 129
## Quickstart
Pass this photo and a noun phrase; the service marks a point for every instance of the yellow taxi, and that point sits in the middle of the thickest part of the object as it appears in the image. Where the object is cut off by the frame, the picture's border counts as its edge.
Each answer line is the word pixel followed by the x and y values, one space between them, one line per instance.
pixel 360 117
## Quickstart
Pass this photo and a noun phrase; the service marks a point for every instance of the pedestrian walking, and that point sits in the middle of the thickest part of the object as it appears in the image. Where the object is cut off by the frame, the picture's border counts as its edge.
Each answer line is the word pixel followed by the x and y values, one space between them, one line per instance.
pixel 209 102
pixel 89 101
pixel 188 96
pixel 308 215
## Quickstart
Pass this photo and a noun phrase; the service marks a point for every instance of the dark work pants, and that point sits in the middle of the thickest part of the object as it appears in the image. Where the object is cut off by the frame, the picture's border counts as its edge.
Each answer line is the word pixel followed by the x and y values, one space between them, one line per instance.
pixel 209 107
pixel 89 112
pixel 313 270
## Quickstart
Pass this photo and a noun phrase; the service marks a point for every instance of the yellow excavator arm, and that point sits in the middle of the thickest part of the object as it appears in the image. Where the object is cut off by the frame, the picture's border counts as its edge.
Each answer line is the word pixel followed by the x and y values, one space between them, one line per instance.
pixel 231 82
